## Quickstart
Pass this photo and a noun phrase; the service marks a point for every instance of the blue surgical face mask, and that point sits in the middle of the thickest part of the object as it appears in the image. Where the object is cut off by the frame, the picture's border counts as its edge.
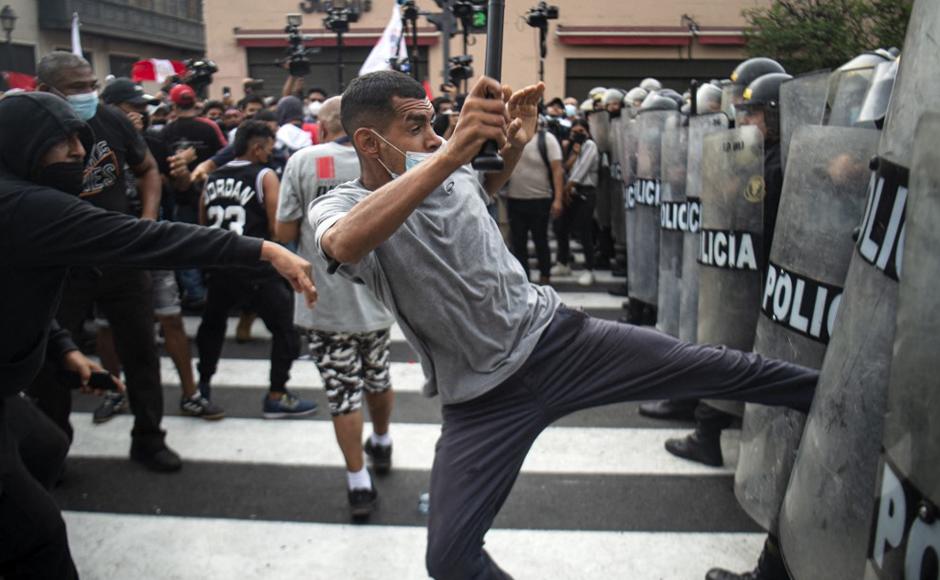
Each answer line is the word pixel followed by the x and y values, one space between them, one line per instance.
pixel 571 110
pixel 412 158
pixel 85 105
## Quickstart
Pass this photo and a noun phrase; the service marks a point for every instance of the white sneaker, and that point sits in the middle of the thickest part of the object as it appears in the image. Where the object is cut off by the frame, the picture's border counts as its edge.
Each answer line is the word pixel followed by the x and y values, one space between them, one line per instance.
pixel 586 279
pixel 560 269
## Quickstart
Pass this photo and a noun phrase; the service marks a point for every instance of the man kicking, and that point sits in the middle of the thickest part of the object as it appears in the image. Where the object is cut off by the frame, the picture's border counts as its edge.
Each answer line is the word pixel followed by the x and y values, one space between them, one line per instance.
pixel 505 356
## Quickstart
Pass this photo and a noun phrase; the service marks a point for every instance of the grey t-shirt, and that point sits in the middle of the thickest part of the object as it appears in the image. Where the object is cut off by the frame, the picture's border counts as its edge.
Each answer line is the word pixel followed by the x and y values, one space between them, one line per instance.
pixel 461 299
pixel 342 306
pixel 530 178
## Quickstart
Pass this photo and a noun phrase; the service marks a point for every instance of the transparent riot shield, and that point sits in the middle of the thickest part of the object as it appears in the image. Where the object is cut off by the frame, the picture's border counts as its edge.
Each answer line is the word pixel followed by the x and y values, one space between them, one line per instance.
pixel 879 94
pixel 821 204
pixel 848 100
pixel 674 221
pixel 643 275
pixel 802 102
pixel 615 185
pixel 628 176
pixel 905 529
pixel 731 94
pixel 699 127
pixel 730 242
pixel 830 499
pixel 599 122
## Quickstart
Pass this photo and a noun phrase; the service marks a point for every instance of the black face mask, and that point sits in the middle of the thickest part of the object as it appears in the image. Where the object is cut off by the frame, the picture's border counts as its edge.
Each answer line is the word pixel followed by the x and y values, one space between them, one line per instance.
pixel 614 114
pixel 578 138
pixel 68 177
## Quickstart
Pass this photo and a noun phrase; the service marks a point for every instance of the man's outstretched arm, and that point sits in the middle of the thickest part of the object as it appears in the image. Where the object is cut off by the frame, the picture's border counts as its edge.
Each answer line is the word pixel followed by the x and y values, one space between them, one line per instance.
pixel 374 219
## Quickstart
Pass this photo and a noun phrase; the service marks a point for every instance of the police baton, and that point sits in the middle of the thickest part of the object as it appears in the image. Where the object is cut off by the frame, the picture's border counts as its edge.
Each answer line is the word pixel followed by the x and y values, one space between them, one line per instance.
pixel 488 159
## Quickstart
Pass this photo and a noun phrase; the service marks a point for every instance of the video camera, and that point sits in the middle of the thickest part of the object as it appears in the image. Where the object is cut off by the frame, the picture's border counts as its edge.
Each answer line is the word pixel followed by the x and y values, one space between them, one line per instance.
pixel 297 58
pixel 338 17
pixel 409 10
pixel 539 16
pixel 199 73
pixel 460 68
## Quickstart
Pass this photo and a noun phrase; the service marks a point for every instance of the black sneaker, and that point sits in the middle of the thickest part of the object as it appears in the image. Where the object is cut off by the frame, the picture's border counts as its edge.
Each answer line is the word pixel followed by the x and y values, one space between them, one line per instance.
pixel 156 457
pixel 112 403
pixel 380 455
pixel 200 406
pixel 362 502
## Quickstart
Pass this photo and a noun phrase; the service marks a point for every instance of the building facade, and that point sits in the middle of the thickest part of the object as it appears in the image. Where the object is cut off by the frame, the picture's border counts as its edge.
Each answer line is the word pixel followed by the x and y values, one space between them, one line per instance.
pixel 593 42
pixel 114 33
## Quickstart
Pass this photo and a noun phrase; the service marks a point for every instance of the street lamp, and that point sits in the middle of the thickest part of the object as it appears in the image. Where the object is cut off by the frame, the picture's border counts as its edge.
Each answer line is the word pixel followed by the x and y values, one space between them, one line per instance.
pixel 8 22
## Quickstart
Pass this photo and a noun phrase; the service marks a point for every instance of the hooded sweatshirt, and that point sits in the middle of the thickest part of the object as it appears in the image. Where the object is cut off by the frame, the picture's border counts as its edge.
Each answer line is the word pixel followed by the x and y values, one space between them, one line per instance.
pixel 44 231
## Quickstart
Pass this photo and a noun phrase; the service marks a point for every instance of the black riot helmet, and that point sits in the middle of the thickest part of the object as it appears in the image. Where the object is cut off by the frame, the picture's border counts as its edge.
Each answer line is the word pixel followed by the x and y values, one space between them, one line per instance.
pixel 750 70
pixel 764 95
pixel 743 75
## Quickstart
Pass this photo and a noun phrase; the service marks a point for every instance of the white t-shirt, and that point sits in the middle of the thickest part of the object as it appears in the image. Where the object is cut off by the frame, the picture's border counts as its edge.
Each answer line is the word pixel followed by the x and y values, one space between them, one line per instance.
pixel 293 138
pixel 530 178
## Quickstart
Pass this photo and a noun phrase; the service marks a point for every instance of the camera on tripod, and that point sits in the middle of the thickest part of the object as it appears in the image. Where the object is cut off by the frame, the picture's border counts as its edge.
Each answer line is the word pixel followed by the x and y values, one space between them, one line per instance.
pixel 199 73
pixel 297 59
pixel 409 10
pixel 460 68
pixel 338 17
pixel 539 16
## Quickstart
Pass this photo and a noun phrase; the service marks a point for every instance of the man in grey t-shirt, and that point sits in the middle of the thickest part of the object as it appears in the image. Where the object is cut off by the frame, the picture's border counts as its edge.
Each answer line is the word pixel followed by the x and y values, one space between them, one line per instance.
pixel 349 330
pixel 506 358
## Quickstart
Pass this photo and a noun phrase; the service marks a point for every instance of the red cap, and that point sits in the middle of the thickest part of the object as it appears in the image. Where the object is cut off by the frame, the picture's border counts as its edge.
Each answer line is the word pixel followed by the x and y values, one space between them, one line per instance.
pixel 182 95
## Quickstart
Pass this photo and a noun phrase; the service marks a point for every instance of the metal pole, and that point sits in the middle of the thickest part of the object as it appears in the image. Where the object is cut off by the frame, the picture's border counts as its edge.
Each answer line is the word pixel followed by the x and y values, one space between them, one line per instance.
pixel 447 28
pixel 415 55
pixel 489 159
pixel 339 60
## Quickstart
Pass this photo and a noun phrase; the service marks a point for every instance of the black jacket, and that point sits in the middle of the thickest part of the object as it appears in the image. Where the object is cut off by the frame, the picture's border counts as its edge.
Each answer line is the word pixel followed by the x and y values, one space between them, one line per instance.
pixel 43 232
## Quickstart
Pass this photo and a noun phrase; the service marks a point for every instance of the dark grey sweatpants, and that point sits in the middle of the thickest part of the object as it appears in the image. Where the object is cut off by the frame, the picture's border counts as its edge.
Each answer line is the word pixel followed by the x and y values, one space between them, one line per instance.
pixel 579 362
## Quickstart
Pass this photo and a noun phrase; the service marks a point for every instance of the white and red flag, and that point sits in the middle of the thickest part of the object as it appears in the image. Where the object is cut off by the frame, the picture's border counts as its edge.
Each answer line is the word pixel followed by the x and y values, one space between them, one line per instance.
pixel 156 70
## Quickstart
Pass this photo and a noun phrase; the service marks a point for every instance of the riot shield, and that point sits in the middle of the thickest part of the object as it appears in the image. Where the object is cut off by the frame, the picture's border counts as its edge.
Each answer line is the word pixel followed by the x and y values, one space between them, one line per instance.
pixel 848 86
pixel 628 176
pixel 802 102
pixel 643 264
pixel 730 242
pixel 876 101
pixel 821 204
pixel 599 122
pixel 674 220
pixel 699 127
pixel 830 499
pixel 905 531
pixel 615 187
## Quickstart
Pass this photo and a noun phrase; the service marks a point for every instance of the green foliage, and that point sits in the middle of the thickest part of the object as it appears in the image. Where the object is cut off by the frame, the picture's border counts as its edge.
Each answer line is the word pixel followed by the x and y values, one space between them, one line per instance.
pixel 807 35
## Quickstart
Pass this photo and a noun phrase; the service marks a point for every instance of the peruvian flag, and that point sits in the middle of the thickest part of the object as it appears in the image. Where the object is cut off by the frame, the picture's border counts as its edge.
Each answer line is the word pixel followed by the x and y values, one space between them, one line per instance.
pixel 156 69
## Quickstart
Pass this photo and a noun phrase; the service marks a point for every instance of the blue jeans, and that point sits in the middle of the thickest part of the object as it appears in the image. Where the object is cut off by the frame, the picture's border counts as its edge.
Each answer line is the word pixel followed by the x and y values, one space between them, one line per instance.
pixel 190 280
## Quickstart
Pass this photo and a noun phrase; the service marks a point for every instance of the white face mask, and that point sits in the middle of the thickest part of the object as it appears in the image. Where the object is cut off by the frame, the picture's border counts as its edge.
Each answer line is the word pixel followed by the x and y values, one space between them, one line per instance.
pixel 412 158
pixel 313 108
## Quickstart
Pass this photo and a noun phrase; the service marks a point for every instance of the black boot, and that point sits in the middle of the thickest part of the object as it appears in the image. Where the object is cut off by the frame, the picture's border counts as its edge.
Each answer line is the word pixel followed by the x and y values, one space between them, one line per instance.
pixel 681 409
pixel 701 447
pixel 770 566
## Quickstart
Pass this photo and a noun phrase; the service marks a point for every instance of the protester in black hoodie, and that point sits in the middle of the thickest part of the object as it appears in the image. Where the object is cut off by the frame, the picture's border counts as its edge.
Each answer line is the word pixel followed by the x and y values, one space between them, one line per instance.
pixel 44 230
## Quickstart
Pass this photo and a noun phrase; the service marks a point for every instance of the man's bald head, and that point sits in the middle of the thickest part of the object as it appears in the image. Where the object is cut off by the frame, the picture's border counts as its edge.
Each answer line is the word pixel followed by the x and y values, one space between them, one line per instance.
pixel 331 123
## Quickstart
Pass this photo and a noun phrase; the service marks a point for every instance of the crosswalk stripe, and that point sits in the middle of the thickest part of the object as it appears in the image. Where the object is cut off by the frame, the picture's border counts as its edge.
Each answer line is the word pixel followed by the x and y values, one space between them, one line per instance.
pixel 211 548
pixel 251 373
pixel 557 450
